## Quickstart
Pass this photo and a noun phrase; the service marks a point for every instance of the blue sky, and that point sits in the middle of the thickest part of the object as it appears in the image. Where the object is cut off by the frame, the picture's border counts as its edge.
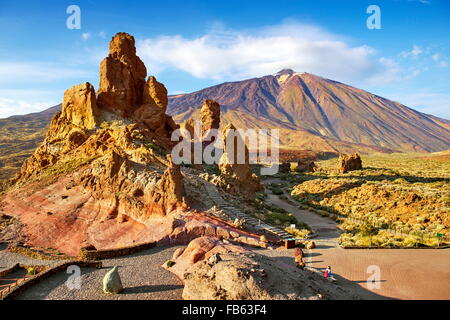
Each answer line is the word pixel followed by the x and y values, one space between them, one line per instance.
pixel 190 45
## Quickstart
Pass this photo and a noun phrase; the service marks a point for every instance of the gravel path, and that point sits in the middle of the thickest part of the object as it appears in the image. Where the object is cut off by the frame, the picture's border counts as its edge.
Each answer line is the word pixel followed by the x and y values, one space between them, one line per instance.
pixel 142 277
pixel 9 259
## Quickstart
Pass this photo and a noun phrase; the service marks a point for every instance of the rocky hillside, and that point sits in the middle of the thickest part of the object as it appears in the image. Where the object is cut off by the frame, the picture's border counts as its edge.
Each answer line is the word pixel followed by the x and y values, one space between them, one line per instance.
pixel 320 114
pixel 103 175
pixel 20 136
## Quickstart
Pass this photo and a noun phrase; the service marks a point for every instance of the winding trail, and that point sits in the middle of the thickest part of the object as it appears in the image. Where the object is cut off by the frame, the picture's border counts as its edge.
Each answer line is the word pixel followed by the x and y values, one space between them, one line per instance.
pixel 403 273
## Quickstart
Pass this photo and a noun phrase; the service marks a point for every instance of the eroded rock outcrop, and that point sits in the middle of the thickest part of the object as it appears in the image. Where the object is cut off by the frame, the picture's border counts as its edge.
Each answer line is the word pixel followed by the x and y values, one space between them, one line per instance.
pixel 226 274
pixel 198 249
pixel 169 192
pixel 239 176
pixel 210 115
pixel 305 166
pixel 80 106
pixel 122 77
pixel 349 163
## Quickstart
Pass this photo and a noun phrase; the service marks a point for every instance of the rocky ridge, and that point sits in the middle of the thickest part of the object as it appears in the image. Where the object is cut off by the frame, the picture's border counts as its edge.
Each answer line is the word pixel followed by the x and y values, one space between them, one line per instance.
pixel 103 175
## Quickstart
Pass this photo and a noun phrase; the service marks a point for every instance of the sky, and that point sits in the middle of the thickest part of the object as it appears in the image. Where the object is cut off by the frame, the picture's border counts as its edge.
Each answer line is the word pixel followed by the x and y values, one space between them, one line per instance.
pixel 190 45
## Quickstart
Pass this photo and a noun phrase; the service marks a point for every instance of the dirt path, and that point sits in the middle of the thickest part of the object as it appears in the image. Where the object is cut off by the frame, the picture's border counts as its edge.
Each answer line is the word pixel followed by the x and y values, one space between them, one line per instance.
pixel 404 273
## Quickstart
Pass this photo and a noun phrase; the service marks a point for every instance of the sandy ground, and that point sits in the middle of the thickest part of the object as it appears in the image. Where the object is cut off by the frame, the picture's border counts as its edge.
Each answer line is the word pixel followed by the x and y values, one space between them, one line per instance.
pixel 404 273
pixel 142 277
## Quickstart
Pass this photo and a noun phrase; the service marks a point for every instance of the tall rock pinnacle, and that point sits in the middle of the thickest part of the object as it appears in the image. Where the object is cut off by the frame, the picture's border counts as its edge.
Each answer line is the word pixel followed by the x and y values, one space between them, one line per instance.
pixel 122 77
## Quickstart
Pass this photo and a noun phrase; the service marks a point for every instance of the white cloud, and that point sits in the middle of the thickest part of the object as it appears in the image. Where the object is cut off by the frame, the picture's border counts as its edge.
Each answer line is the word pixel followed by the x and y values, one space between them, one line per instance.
pixel 85 36
pixel 10 107
pixel 440 60
pixel 36 72
pixel 24 101
pixel 231 55
pixel 413 53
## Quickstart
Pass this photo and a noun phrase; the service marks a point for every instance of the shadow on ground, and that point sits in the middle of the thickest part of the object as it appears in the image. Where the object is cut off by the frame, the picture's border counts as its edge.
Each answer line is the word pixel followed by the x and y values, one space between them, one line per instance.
pixel 149 289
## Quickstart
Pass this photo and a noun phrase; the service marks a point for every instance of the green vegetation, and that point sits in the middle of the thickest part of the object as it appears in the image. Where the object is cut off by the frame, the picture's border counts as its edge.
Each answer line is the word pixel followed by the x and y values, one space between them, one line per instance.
pixel 275 188
pixel 18 140
pixel 31 271
pixel 66 167
pixel 170 263
pixel 401 194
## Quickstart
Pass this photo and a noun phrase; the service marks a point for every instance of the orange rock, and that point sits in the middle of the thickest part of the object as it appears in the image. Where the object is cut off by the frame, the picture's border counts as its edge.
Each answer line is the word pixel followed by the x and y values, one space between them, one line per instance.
pixel 79 106
pixel 210 115
pixel 199 249
pixel 240 177
pixel 155 93
pixel 349 162
pixel 122 77
pixel 169 192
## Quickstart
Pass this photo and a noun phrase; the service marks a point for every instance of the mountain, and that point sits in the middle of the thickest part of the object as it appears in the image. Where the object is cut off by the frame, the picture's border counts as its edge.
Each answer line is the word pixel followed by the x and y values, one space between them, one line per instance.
pixel 20 136
pixel 319 114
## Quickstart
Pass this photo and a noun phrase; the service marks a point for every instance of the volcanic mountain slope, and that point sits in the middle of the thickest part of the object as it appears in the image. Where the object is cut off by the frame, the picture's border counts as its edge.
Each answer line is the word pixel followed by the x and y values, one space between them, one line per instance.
pixel 319 114
pixel 20 136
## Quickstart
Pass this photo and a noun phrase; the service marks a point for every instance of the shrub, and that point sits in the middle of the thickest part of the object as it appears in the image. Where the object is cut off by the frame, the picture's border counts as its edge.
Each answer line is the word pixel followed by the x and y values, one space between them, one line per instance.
pixel 170 263
pixel 368 230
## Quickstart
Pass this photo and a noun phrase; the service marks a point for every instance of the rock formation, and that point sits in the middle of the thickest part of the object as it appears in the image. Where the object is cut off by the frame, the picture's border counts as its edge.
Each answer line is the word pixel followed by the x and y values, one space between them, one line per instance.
pixel 122 77
pixel 153 110
pixel 349 162
pixel 103 174
pixel 80 107
pixel 169 192
pixel 189 125
pixel 210 115
pixel 198 249
pixel 305 166
pixel 111 148
pixel 226 274
pixel 239 176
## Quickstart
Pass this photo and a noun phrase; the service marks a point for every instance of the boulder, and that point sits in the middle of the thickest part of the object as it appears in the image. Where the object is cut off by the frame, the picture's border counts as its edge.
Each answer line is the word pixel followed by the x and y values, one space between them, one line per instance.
pixel 111 282
pixel 310 245
pixel 305 166
pixel 349 163
pixel 199 249
pixel 251 276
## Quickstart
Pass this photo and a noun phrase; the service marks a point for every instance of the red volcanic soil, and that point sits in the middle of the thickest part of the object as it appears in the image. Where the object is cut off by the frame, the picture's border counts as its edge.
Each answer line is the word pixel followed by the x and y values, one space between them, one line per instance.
pixel 67 218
